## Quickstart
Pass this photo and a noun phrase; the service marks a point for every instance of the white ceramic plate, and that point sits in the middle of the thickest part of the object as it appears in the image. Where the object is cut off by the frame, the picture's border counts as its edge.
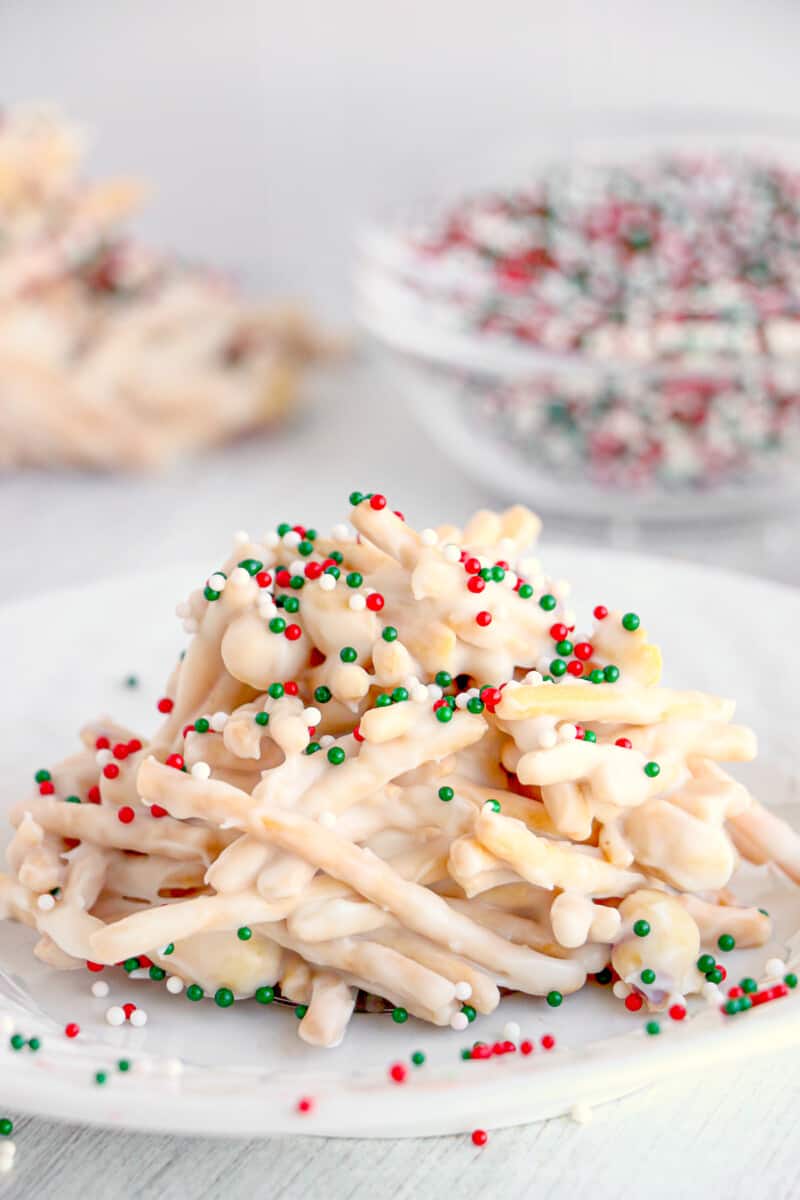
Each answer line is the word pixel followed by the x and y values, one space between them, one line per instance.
pixel 241 1071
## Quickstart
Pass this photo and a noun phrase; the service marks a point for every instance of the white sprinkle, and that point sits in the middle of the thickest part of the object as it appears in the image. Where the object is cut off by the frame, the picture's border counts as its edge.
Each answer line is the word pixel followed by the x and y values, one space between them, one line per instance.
pixel 241 537
pixel 173 1067
pixel 327 819
pixel 452 553
pixel 510 580
pixel 340 533
pixel 711 993
pixel 429 537
pixel 115 1015
pixel 100 989
pixel 419 694
pixel 775 968
pixel 620 989
pixel 463 990
pixel 548 739
pixel 567 732
pixel 511 684
pixel 271 539
pixel 327 582
pixel 543 665
pixel 46 902
pixel 201 770
pixel 6 1025
pixel 511 1031
pixel 138 1018
pixel 459 1021
pixel 292 539
pixel 312 716
pixel 103 757
pixel 217 582
pixel 327 741
pixel 174 985
pixel 7 1151
pixel 218 721
pixel 581 1113
pixel 461 700
pixel 357 602
pixel 267 607
pixel 239 576
pixel 533 678
pixel 434 692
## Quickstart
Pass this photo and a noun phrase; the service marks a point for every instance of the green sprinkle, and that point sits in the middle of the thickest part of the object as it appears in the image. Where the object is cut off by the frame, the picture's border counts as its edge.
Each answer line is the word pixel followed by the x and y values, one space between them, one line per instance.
pixel 337 557
pixel 275 690
pixel 223 997
pixel 706 963
pixel 356 498
pixel 444 714
pixel 16 1041
pixel 443 679
pixel 653 1028
pixel 790 980
pixel 201 725
pixel 554 999
pixel 469 1012
pixel 34 1044
pixel 648 975
pixel 348 654
pixel 652 769
pixel 389 634
pixel 494 805
pixel 124 1065
pixel 418 1058
pixel 283 529
pixel 73 799
pixel 726 941
pixel 714 975
pixel 475 705
pixel 291 604
pixel 277 625
pixel 43 776
pixel 631 622
pixel 300 1011
pixel 265 995
pixel 194 992
pixel 354 579
pixel 400 694
pixel 311 535
pixel 748 984
pixel 210 594
pixel 7 1126
pixel 322 694
pixel 244 933
pixel 399 1016
pixel 383 701
pixel 564 648
pixel 611 673
pixel 589 735
pixel 305 548
pixel 525 591
pixel 547 602
pixel 100 1078
pixel 596 676
pixel 251 565
pixel 336 756
pixel 262 718
pixel 169 949
pixel 131 681
pixel 641 928
pixel 130 964
pixel 466 1053
pixel 312 748
pixel 157 973
pixel 558 668
pixel 334 571
pixel 446 794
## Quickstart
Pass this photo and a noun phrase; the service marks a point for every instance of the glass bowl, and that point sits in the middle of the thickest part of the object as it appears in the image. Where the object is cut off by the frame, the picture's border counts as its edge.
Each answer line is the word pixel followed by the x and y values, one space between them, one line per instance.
pixel 604 387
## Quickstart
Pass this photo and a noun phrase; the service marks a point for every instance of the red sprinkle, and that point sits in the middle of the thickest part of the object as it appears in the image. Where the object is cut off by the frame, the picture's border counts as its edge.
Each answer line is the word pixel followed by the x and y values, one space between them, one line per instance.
pixel 357 734
pixel 144 961
pixel 583 650
pixel 397 1072
pixel 93 966
pixel 476 584
pixel 126 814
pixel 735 993
pixel 377 502
pixel 264 579
pixel 317 657
pixel 626 743
pixel 491 697
pixel 93 794
pixel 175 760
pixel 102 743
pixel 479 1137
pixel 305 1104
pixel 313 570
pixel 165 705
pixel 47 787
pixel 121 750
pixel 135 745
pixel 128 1009
pixel 375 602
pixel 283 577
pixel 601 612
pixel 483 619
pixel 472 566
pixel 548 1041
pixel 397 513
pixel 558 632
pixel 526 1047
pixel 677 1012
pixel 293 632
pixel 188 729
pixel 575 668
pixel 111 770
pixel 633 1002
pixel 72 1030
pixel 157 811
pixel 290 687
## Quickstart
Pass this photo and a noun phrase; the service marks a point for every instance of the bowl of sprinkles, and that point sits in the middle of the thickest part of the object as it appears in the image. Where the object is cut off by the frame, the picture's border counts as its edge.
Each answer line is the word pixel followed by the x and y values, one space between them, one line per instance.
pixel 622 324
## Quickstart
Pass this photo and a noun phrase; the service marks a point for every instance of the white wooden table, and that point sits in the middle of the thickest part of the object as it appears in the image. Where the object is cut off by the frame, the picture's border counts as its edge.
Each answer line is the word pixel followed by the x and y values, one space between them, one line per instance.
pixel 733 1134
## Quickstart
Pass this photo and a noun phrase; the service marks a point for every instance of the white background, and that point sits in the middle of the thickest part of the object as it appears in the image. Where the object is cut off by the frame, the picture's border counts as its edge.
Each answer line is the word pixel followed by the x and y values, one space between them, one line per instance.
pixel 270 132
